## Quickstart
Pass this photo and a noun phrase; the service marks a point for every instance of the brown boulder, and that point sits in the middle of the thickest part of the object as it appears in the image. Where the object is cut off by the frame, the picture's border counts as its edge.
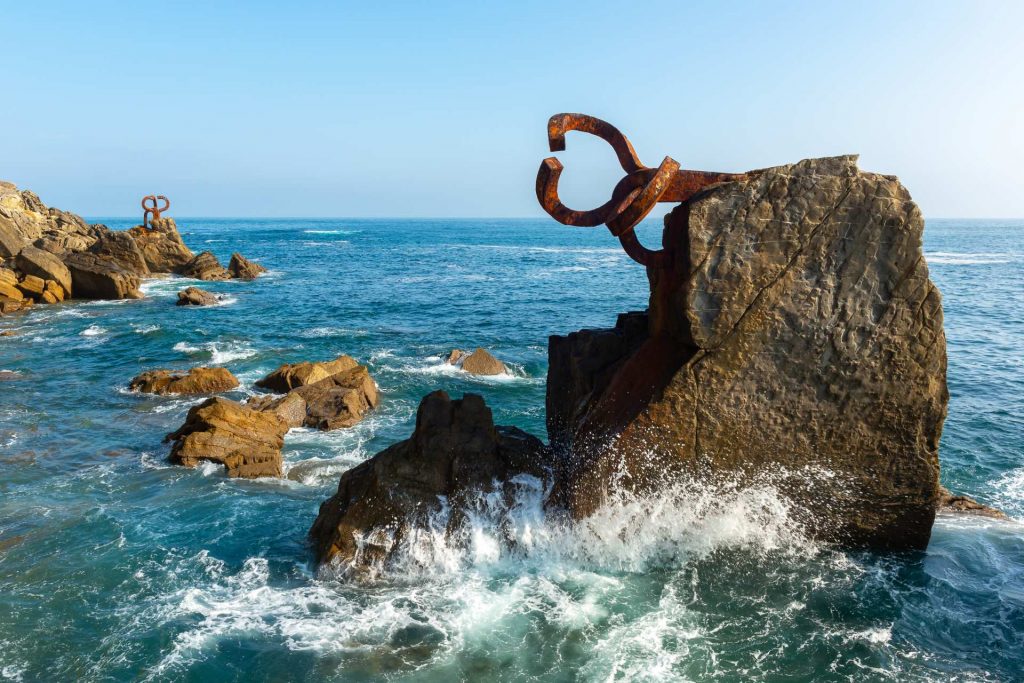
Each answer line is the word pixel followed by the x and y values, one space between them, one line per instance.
pixel 204 266
pixel 32 286
pixel 44 265
pixel 9 305
pixel 793 336
pixel 120 248
pixel 335 402
pixel 951 502
pixel 246 441
pixel 10 291
pixel 94 276
pixel 480 362
pixel 194 381
pixel 55 290
pixel 161 245
pixel 455 452
pixel 244 269
pixel 193 296
pixel 8 276
pixel 292 375
pixel 12 241
pixel 291 407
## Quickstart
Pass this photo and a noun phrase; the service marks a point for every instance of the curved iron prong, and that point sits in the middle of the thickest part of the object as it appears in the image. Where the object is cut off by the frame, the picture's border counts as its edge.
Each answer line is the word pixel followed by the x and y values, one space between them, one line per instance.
pixel 560 124
pixel 547 194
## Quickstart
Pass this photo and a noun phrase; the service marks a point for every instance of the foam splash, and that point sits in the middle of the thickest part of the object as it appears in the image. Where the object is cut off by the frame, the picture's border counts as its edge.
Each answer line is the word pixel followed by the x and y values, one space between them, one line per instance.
pixel 951 258
pixel 93 331
pixel 216 351
pixel 438 366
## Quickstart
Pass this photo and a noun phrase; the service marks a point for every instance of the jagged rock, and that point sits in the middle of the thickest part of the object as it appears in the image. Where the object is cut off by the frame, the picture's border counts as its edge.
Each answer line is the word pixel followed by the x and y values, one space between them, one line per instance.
pixel 951 502
pixel 99 277
pixel 795 331
pixel 292 375
pixel 161 245
pixel 248 442
pixel 8 276
pixel 193 296
pixel 243 268
pixel 480 362
pixel 32 286
pixel 455 452
pixel 55 290
pixel 46 266
pixel 9 305
pixel 120 248
pixel 25 219
pixel 194 381
pixel 204 266
pixel 11 239
pixel 334 402
pixel 9 291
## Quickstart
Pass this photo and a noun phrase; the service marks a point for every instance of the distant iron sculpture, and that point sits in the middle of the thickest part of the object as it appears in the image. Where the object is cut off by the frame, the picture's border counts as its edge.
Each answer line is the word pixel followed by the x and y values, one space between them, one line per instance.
pixel 152 210
pixel 633 197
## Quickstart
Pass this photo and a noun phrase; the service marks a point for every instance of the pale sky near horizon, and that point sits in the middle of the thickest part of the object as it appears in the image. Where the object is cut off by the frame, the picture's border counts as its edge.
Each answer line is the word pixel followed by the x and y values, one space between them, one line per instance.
pixel 439 109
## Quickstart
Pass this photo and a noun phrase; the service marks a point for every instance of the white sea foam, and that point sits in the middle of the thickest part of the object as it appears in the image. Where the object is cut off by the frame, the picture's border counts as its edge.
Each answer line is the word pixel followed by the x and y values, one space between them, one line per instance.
pixel 145 329
pixel 93 331
pixel 951 258
pixel 218 352
pixel 320 332
pixel 436 365
pixel 332 232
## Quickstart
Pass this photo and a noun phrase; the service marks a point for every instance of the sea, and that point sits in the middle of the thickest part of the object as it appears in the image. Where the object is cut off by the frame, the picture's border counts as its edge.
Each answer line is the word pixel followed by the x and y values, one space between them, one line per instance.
pixel 117 566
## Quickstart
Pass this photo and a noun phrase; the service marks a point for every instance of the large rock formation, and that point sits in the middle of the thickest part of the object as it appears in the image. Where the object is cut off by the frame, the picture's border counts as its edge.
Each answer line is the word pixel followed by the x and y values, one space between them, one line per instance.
pixel 244 269
pixel 248 442
pixel 204 266
pixel 193 296
pixel 794 336
pixel 121 249
pixel 161 245
pixel 335 401
pixel 43 264
pixel 455 452
pixel 96 276
pixel 194 381
pixel 292 375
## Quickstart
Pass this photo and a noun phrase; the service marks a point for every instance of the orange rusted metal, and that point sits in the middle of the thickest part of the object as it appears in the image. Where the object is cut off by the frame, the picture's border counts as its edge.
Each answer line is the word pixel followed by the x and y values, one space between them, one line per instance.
pixel 153 210
pixel 633 197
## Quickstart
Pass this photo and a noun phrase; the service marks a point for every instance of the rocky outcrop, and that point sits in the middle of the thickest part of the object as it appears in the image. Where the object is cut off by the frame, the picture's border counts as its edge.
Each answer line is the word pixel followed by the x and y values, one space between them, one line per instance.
pixel 193 296
pixel 480 362
pixel 336 401
pixel 246 441
pixel 204 266
pixel 293 375
pixel 95 276
pixel 24 219
pixel 120 248
pixel 455 452
pixel 194 381
pixel 161 245
pixel 244 269
pixel 46 266
pixel 794 335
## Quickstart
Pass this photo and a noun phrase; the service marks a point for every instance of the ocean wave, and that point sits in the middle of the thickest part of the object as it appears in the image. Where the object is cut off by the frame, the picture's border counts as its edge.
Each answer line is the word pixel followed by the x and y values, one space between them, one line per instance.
pixel 319 332
pixel 438 366
pixel 951 258
pixel 332 232
pixel 93 331
pixel 218 352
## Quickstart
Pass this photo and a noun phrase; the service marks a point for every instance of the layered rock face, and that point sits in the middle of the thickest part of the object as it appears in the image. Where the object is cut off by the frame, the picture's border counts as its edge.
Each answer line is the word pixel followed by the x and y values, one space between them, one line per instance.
pixel 293 375
pixel 455 452
pixel 794 334
pixel 328 395
pixel 204 266
pixel 246 441
pixel 161 245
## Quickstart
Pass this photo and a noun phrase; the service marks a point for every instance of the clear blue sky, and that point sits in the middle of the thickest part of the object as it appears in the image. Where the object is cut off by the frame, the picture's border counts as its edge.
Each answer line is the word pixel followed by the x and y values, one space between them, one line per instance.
pixel 439 108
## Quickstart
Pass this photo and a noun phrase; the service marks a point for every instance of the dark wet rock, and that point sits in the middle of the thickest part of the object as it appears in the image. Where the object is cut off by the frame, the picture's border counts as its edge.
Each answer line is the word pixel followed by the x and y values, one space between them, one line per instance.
pixel 480 362
pixel 44 265
pixel 246 441
pixel 293 375
pixel 244 269
pixel 455 452
pixel 194 381
pixel 120 248
pixel 161 245
pixel 794 332
pixel 951 502
pixel 193 296
pixel 204 266
pixel 94 276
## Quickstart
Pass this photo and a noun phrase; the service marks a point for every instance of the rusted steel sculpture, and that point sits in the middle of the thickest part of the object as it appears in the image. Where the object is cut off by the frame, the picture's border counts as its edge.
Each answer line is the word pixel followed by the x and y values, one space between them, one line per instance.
pixel 633 197
pixel 152 210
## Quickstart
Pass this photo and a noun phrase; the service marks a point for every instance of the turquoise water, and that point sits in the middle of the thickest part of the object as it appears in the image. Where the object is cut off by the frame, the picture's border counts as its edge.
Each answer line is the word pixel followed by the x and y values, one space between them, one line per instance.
pixel 115 566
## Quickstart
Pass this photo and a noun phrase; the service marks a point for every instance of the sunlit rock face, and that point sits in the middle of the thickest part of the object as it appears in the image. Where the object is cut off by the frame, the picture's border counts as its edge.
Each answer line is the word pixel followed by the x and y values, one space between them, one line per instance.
pixel 795 335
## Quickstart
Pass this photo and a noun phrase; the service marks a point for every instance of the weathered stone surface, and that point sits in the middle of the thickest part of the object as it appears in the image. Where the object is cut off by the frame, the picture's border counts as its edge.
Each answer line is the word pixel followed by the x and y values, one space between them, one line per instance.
pixel 161 245
pixel 248 442
pixel 194 381
pixel 43 264
pixel 55 290
pixel 8 276
pixel 293 375
pixel 120 248
pixel 25 219
pixel 455 452
pixel 335 402
pixel 99 277
pixel 951 502
pixel 193 296
pixel 11 239
pixel 795 332
pixel 480 362
pixel 9 305
pixel 244 269
pixel 291 407
pixel 204 266
pixel 32 286
pixel 10 291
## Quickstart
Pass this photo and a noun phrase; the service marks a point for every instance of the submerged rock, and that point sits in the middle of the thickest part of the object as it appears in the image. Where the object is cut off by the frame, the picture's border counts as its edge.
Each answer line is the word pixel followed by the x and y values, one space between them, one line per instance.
pixel 480 362
pixel 204 266
pixel 246 441
pixel 454 455
pixel 194 381
pixel 951 502
pixel 161 245
pixel 244 269
pixel 292 375
pixel 794 331
pixel 193 296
